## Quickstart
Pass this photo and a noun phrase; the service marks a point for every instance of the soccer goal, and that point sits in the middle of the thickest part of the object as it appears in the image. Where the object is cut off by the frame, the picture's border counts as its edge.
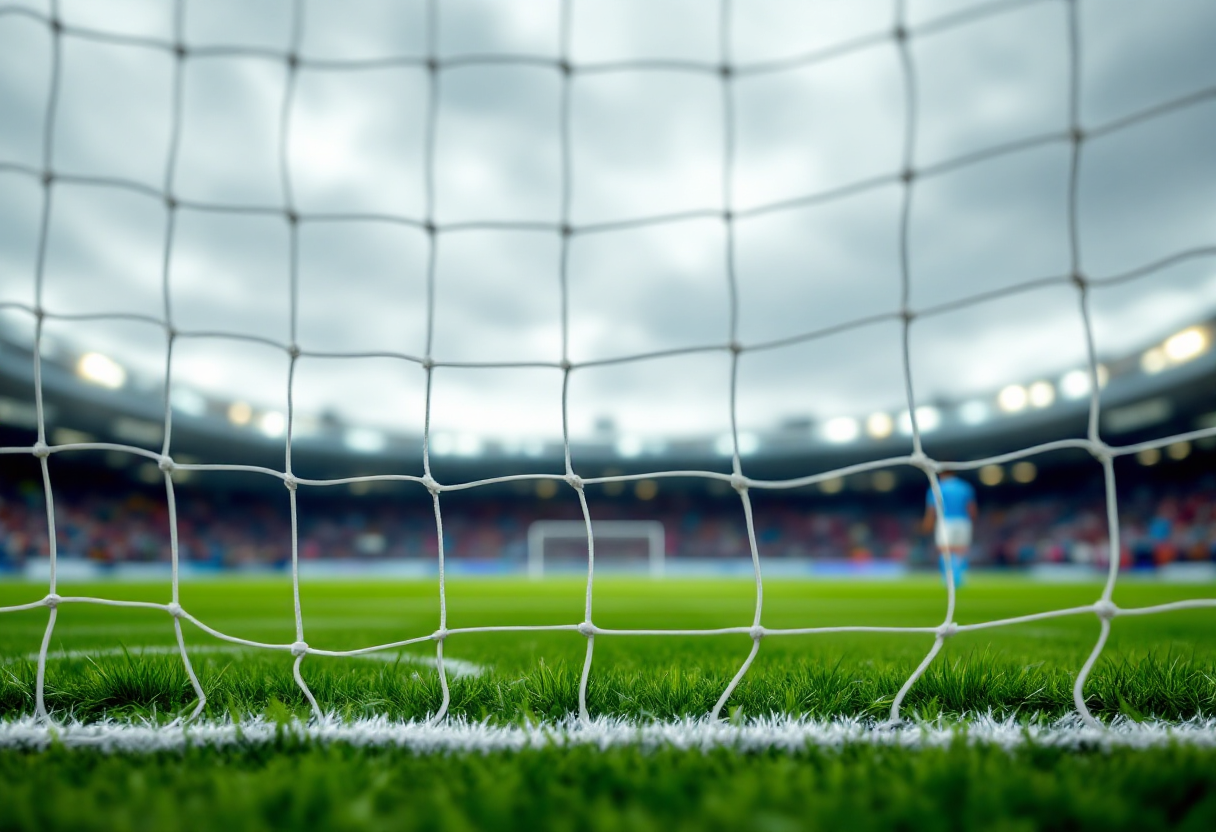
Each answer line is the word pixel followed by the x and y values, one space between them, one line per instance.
pixel 900 38
pixel 634 541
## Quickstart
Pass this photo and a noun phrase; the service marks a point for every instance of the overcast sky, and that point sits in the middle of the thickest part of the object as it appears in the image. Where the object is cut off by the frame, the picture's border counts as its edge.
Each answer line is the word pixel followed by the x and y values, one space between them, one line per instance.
pixel 643 143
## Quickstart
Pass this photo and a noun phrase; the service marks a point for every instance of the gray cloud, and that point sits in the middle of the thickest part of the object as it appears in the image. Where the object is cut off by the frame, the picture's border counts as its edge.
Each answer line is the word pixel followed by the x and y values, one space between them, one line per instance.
pixel 643 143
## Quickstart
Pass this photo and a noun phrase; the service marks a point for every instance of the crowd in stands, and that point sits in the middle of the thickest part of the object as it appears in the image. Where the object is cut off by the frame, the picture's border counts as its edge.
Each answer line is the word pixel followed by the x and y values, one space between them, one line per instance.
pixel 1159 524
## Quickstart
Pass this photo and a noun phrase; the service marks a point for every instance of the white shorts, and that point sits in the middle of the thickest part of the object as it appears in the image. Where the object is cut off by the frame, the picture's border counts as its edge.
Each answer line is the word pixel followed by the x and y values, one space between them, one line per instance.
pixel 954 533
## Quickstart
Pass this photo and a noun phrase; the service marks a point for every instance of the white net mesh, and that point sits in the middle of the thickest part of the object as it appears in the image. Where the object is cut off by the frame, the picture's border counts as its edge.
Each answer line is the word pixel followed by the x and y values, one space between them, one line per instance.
pixel 1074 135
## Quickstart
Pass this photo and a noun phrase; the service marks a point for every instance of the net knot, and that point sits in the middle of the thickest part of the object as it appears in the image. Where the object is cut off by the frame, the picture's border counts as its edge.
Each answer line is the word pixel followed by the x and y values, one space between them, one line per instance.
pixel 738 482
pixel 1079 280
pixel 429 227
pixel 428 363
pixel 47 178
pixel 921 460
pixel 41 450
pixel 290 482
pixel 171 202
pixel 726 70
pixel 292 217
pixel 440 634
pixel 566 365
pixel 56 25
pixel 180 51
pixel 735 347
pixel 293 61
pixel 574 481
pixel 728 215
pixel 587 629
pixel 907 315
pixel 52 600
pixel 948 629
pixel 907 175
pixel 564 67
pixel 756 632
pixel 432 65
pixel 293 350
pixel 166 464
pixel 1100 451
pixel 1105 609
pixel 174 609
pixel 900 33
pixel 1077 135
pixel 567 230
pixel 299 648
pixel 430 484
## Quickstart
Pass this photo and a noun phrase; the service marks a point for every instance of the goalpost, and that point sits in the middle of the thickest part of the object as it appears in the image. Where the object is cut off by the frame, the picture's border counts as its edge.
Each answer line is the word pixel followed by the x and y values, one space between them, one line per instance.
pixel 649 532
pixel 895 35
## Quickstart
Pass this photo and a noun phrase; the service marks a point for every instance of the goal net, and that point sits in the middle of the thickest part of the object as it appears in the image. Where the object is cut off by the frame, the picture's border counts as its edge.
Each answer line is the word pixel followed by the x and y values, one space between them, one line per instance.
pixel 896 35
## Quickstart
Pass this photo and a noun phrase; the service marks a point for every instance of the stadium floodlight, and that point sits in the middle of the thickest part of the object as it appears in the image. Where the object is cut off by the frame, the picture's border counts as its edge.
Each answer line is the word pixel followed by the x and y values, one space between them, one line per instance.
pixel 992 475
pixel 1148 457
pixel 1074 384
pixel 1178 451
pixel 1013 399
pixel 190 402
pixel 240 413
pixel 630 446
pixel 928 419
pixel 973 412
pixel 1186 345
pixel 880 425
pixel 1024 472
pixel 1041 394
pixel 749 443
pixel 365 440
pixel 841 429
pixel 272 423
pixel 101 370
pixel 1154 361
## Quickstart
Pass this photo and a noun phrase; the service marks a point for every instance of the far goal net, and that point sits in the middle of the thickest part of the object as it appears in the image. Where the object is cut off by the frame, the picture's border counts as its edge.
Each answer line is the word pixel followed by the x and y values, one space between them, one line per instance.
pixel 894 33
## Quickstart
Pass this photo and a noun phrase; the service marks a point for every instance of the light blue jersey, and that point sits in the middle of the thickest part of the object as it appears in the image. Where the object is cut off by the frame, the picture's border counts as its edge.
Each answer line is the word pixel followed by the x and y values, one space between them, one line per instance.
pixel 957 494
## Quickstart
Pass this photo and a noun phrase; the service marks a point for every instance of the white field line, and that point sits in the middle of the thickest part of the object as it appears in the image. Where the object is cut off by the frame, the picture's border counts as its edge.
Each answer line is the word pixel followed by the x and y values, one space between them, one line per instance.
pixel 461 736
pixel 454 667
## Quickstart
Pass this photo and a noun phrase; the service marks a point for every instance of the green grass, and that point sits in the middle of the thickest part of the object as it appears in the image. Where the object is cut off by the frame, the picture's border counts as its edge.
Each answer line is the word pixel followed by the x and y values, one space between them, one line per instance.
pixel 1162 665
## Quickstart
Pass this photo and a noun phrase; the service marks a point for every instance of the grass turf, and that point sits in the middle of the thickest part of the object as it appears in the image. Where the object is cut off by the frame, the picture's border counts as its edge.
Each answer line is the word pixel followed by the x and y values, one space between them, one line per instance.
pixel 1162 665
pixel 1159 665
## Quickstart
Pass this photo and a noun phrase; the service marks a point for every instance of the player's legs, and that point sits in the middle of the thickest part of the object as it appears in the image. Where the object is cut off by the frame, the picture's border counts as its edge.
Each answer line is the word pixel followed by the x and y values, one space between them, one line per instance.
pixel 954 537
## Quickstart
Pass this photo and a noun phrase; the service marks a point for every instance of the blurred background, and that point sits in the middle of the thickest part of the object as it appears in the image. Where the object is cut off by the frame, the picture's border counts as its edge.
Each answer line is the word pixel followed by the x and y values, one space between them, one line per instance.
pixel 646 271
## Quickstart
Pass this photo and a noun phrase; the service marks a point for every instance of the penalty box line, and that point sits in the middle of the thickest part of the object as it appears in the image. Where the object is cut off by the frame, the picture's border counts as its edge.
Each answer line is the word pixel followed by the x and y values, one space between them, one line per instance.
pixel 459 735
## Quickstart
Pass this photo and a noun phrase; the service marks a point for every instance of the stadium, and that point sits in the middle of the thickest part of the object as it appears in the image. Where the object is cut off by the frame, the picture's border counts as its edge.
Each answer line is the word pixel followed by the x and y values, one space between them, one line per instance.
pixel 465 415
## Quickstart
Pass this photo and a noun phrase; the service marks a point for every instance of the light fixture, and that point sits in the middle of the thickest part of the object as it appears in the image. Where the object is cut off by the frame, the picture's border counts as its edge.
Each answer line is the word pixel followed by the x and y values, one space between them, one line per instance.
pixel 1185 345
pixel 1179 450
pixel 1013 398
pixel 1041 394
pixel 973 413
pixel 272 423
pixel 631 446
pixel 102 370
pixel 928 419
pixel 1024 472
pixel 1154 361
pixel 239 413
pixel 879 425
pixel 840 430
pixel 365 441
pixel 1075 384
pixel 992 475
pixel 883 481
pixel 1148 457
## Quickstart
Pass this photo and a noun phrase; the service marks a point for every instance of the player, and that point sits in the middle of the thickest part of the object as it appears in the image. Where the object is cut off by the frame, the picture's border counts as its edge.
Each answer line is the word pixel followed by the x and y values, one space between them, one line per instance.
pixel 953 529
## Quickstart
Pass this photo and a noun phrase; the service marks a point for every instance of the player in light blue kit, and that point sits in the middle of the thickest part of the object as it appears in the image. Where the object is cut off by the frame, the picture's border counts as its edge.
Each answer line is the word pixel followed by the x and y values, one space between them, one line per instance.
pixel 953 529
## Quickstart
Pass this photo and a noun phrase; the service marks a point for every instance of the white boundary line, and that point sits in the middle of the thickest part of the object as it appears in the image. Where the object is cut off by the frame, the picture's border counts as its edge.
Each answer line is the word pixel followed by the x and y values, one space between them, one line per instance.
pixel 457 667
pixel 458 735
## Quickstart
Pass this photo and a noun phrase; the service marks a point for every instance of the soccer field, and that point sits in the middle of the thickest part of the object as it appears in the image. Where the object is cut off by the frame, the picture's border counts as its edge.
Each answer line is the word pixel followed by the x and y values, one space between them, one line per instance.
pixel 114 662
pixel 119 664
